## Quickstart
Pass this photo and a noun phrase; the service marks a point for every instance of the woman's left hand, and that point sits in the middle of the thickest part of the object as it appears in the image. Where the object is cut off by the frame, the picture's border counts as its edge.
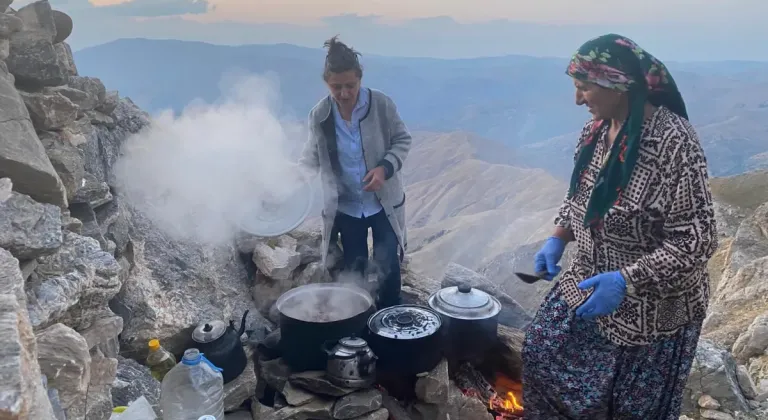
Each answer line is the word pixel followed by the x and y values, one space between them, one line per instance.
pixel 609 290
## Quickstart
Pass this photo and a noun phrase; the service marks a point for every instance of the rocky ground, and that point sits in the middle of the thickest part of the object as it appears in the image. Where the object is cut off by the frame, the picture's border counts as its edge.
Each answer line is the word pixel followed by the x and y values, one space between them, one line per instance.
pixel 86 280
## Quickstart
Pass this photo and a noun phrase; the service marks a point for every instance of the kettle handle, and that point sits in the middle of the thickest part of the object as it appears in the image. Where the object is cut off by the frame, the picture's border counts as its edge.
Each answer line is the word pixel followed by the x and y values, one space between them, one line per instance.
pixel 242 323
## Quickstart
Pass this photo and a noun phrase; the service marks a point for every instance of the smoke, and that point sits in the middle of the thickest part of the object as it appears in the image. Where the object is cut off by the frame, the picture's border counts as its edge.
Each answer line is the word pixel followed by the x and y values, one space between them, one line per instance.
pixel 205 174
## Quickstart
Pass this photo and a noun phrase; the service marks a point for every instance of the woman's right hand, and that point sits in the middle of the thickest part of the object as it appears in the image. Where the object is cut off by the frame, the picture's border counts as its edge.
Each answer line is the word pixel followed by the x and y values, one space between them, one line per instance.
pixel 545 261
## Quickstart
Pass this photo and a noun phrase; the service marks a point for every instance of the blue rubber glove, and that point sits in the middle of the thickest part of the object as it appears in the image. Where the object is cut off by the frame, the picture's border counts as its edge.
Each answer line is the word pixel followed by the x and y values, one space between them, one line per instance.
pixel 610 289
pixel 548 256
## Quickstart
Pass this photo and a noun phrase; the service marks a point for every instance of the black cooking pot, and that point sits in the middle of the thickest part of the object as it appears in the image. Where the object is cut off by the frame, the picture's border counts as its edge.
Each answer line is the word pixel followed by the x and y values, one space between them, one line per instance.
pixel 313 314
pixel 222 346
pixel 406 339
pixel 471 320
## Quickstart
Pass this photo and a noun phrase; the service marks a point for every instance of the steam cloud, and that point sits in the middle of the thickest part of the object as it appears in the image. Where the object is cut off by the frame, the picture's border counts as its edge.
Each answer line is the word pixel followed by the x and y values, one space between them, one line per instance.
pixel 200 174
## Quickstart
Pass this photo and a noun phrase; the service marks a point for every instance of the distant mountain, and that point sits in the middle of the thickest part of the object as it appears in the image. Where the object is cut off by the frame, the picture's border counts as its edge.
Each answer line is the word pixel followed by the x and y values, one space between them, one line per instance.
pixel 522 102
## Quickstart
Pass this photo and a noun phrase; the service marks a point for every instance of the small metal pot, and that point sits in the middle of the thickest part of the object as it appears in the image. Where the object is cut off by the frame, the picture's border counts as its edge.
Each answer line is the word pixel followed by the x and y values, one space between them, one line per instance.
pixel 470 318
pixel 406 339
pixel 351 363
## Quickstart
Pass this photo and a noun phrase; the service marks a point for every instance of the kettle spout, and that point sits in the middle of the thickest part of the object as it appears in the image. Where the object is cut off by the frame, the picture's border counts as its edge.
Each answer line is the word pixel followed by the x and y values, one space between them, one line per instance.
pixel 242 323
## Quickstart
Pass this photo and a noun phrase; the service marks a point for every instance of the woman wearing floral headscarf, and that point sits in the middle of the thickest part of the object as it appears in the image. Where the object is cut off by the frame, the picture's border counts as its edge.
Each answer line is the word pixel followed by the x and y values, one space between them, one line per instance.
pixel 616 336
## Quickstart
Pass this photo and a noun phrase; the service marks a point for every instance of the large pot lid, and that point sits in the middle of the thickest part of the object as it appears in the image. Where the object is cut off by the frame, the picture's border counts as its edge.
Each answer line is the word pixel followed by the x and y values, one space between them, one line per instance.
pixel 209 331
pixel 405 322
pixel 277 214
pixel 464 302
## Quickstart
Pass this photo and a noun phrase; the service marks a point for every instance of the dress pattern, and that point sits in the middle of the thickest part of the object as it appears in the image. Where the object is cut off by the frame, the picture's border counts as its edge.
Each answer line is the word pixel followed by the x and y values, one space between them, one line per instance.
pixel 572 372
pixel 659 234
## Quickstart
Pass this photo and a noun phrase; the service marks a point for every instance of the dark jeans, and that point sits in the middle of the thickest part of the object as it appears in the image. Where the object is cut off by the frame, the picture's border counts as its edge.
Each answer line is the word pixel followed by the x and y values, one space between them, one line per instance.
pixel 354 241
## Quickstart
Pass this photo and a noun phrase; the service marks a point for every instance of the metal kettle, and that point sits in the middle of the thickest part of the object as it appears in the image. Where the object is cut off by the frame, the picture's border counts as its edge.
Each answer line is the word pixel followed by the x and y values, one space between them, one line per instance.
pixel 222 346
pixel 351 363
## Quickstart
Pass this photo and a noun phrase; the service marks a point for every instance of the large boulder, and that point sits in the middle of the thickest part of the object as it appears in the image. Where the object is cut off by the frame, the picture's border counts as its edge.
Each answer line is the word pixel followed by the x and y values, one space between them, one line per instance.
pixel 33 59
pixel 714 373
pixel 22 156
pixel 22 394
pixel 172 286
pixel 64 359
pixel 74 285
pixel 28 229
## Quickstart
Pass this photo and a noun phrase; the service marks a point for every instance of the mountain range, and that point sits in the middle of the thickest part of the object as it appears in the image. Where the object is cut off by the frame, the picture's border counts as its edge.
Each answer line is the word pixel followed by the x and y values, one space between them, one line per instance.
pixel 523 102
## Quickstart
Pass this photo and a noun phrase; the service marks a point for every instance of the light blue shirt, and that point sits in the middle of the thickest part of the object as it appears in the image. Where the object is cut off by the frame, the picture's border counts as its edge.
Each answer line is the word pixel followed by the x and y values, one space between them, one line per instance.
pixel 353 201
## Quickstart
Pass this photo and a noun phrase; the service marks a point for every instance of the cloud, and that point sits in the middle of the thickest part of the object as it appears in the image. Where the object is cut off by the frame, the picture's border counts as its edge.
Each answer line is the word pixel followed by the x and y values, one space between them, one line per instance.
pixel 156 8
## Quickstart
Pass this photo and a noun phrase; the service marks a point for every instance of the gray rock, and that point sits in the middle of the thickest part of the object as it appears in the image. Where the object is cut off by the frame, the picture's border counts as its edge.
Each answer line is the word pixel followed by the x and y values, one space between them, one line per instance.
pixel 433 387
pixel 512 313
pixel 93 87
pixel 713 373
pixel 22 394
pixel 67 160
pixel 747 385
pixel 749 242
pixel 275 262
pixel 49 111
pixel 37 17
pixel 65 59
pixel 29 229
pixel 243 387
pixel 102 333
pixel 34 62
pixel 275 373
pixel 83 100
pixel 63 24
pixel 296 396
pixel 754 341
pixel 357 404
pixel 99 396
pixel 134 380
pixel 715 415
pixel 92 192
pixel 64 358
pixel 707 402
pixel 9 25
pixel 22 156
pixel 316 382
pixel 319 409
pixel 110 102
pixel 5 48
pixel 74 285
pixel 90 228
pixel 260 411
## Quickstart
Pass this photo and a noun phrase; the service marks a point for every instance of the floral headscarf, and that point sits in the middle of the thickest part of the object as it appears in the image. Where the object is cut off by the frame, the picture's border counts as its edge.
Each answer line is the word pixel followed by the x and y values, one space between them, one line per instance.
pixel 615 62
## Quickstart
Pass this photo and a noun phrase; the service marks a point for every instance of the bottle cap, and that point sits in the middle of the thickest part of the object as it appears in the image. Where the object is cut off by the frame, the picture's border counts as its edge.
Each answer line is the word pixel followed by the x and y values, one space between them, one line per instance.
pixel 154 344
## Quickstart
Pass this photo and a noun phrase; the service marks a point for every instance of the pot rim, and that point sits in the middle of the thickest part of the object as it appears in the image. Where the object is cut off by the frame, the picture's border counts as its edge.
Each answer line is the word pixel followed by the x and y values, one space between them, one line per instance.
pixel 490 310
pixel 355 290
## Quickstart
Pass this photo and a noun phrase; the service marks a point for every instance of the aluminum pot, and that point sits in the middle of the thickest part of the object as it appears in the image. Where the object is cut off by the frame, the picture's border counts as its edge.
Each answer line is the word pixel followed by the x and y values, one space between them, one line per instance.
pixel 406 339
pixel 314 314
pixel 470 321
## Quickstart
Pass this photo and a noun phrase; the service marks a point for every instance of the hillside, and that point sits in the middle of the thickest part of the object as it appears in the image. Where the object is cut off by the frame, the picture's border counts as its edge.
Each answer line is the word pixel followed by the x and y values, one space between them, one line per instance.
pixel 522 102
pixel 467 205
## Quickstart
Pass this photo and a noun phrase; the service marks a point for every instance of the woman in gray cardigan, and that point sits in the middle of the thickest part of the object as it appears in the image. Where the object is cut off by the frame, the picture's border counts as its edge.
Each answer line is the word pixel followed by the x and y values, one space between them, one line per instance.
pixel 358 143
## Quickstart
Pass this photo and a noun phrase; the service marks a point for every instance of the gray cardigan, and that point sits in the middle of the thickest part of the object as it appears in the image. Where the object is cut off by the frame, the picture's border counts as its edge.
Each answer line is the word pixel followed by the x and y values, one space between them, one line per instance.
pixel 386 142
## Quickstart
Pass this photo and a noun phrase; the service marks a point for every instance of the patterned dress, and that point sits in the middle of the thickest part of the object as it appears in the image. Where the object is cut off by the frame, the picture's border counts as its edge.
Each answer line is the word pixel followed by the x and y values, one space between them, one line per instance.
pixel 632 364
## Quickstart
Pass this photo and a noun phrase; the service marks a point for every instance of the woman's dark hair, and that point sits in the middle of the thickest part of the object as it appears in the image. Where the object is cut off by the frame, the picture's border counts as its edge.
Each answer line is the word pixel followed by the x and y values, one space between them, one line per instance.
pixel 341 58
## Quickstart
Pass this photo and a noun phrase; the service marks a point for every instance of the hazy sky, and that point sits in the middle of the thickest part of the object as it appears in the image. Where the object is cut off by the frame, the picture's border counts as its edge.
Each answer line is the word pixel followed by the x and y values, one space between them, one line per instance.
pixel 687 29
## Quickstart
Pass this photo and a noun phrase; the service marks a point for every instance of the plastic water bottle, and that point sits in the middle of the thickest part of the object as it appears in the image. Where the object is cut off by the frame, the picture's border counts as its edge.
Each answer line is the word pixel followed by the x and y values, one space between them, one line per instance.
pixel 193 388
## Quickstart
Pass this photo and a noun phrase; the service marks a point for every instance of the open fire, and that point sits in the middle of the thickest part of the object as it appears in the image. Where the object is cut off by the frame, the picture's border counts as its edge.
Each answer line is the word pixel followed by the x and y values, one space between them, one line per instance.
pixel 506 401
pixel 502 395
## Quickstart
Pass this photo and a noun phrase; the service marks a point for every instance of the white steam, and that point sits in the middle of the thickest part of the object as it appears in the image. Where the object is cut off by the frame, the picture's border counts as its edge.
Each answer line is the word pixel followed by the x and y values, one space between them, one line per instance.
pixel 197 176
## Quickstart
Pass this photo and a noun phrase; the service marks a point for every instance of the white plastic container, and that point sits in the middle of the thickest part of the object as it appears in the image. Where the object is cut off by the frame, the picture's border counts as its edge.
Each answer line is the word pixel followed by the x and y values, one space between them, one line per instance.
pixel 193 388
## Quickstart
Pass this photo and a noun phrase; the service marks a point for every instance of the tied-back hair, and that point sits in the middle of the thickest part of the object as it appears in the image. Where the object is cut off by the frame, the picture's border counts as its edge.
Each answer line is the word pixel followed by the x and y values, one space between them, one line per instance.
pixel 341 58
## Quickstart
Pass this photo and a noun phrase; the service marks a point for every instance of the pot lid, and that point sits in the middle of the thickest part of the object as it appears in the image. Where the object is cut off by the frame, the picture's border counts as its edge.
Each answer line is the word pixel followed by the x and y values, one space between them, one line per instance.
pixel 405 322
pixel 464 302
pixel 276 214
pixel 209 331
pixel 353 342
